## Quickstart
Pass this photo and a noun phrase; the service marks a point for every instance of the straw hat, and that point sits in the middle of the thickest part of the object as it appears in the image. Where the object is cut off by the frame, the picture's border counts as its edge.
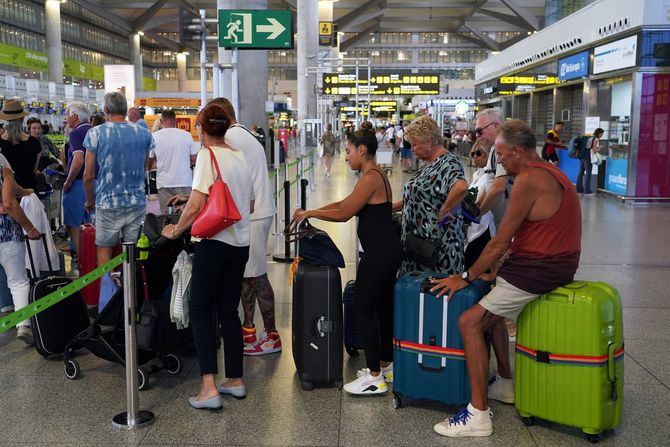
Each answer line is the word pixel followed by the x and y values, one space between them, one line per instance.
pixel 12 110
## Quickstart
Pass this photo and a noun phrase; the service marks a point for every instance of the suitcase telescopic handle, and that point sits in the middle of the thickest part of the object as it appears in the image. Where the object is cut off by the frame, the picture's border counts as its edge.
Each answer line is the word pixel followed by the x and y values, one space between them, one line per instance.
pixel 33 270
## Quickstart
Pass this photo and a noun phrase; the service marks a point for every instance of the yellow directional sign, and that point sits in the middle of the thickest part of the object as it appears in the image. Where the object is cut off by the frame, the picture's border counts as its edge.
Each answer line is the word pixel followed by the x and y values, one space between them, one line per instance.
pixel 325 28
pixel 326 35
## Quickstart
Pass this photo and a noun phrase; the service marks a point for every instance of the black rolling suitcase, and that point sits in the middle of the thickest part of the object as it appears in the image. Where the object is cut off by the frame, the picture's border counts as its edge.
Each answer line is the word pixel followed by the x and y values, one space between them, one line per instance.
pixel 317 325
pixel 317 322
pixel 353 339
pixel 54 327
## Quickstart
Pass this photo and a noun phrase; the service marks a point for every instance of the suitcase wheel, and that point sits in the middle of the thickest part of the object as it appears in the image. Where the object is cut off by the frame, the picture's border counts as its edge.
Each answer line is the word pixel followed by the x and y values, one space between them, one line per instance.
pixel 173 363
pixel 142 379
pixel 528 421
pixel 397 402
pixel 306 385
pixel 593 438
pixel 353 352
pixel 72 370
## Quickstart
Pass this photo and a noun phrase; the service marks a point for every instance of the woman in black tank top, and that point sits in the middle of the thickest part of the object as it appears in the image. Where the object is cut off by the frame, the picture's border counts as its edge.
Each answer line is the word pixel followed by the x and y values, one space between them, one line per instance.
pixel 377 270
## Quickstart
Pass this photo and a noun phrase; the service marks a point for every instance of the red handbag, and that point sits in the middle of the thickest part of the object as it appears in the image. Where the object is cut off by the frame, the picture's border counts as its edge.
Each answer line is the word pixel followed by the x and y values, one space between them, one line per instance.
pixel 220 211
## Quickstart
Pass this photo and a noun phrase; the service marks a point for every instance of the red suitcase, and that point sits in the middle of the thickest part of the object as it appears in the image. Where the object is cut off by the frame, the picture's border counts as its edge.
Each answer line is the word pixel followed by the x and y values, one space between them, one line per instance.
pixel 88 261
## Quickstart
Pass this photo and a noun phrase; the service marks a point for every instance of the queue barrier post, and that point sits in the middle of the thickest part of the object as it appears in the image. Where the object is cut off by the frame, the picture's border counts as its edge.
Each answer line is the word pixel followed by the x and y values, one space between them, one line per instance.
pixel 134 417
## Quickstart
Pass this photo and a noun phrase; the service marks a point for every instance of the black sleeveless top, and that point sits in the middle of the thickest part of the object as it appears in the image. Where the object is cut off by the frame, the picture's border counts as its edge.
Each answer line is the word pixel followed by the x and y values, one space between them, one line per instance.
pixel 376 232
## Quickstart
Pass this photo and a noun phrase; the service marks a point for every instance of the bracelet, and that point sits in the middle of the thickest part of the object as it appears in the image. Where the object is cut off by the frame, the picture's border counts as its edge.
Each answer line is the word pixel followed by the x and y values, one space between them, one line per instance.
pixel 31 229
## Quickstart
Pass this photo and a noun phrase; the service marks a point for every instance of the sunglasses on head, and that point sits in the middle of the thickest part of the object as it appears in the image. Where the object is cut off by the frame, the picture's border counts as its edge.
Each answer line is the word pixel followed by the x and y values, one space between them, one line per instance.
pixel 480 130
pixel 477 153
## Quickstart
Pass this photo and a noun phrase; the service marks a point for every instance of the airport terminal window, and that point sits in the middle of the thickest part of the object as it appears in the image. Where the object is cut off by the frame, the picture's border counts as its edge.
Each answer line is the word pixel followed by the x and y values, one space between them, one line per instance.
pixel 655 49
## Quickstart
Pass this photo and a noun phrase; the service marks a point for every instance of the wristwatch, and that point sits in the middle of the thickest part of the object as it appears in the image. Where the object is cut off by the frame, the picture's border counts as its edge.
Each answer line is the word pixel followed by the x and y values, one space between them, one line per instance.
pixel 466 277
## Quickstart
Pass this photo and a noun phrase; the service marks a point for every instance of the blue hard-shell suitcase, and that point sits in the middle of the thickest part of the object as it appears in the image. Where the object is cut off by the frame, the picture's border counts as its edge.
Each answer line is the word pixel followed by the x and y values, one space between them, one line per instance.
pixel 428 356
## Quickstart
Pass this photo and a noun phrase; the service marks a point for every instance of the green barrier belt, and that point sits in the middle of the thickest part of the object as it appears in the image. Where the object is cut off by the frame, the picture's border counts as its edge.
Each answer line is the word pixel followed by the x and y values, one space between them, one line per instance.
pixel 59 295
pixel 290 165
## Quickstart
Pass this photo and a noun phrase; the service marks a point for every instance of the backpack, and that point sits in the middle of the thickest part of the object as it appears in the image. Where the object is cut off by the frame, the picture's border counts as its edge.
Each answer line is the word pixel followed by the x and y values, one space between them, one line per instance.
pixel 577 146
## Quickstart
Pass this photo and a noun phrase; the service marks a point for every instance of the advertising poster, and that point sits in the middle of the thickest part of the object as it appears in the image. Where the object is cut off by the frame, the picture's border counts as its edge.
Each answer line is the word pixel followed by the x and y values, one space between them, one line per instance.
pixel 615 55
pixel 121 78
pixel 573 67
pixel 653 163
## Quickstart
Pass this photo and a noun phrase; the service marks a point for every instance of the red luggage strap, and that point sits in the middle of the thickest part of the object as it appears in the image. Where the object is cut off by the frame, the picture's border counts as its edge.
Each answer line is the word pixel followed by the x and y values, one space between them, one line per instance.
pixel 568 359
pixel 435 351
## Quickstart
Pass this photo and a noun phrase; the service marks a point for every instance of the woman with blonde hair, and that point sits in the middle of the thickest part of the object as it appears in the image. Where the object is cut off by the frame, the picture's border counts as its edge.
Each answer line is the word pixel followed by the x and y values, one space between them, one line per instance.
pixel 431 203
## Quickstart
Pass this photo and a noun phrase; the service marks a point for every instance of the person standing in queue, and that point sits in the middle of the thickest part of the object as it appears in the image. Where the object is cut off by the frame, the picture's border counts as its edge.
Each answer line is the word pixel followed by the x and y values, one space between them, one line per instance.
pixel 371 201
pixel 429 198
pixel 218 262
pixel 329 146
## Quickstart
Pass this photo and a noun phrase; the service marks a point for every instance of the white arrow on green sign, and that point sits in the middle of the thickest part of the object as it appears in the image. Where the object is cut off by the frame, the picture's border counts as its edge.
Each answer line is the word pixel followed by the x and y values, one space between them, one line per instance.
pixel 258 29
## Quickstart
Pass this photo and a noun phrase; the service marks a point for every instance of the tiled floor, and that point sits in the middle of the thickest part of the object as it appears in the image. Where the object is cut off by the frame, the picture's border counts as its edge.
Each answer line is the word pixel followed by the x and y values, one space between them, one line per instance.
pixel 626 246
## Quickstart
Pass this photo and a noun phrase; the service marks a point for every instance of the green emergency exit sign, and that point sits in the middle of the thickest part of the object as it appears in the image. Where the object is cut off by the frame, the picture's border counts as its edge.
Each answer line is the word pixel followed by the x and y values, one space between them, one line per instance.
pixel 255 28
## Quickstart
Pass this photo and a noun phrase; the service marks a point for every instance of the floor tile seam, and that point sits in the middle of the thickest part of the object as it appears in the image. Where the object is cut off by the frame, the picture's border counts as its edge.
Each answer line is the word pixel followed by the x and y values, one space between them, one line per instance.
pixel 169 400
pixel 660 382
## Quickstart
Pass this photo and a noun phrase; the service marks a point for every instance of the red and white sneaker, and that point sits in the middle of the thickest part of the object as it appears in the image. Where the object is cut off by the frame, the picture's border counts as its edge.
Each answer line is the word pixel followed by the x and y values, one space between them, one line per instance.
pixel 249 336
pixel 268 343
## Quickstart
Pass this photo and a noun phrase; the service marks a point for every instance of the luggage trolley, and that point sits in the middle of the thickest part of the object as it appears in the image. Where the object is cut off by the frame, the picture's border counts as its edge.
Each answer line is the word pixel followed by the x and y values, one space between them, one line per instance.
pixel 384 158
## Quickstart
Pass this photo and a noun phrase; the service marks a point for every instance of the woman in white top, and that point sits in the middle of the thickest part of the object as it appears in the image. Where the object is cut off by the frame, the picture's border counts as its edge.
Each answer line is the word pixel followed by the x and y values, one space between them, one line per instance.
pixel 218 262
pixel 479 234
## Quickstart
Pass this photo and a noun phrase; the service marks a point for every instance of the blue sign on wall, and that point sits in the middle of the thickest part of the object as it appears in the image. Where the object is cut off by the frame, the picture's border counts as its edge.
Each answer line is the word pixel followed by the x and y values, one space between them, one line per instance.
pixel 616 175
pixel 574 66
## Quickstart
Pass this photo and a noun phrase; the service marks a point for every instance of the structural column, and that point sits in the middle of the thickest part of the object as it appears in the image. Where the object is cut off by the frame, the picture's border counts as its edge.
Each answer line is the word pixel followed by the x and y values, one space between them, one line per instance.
pixel 181 72
pixel 53 40
pixel 136 60
pixel 252 66
pixel 308 41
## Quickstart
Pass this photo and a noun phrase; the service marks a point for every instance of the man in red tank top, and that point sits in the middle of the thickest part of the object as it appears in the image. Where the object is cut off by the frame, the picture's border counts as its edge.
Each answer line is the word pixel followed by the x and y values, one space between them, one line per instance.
pixel 541 235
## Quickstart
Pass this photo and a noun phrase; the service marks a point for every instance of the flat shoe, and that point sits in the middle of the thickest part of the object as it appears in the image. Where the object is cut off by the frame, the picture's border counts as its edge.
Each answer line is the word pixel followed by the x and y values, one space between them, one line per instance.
pixel 212 404
pixel 238 392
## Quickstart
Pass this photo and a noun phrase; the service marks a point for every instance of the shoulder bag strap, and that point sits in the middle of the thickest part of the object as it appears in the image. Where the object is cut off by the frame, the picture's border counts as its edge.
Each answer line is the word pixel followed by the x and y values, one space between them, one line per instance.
pixel 215 164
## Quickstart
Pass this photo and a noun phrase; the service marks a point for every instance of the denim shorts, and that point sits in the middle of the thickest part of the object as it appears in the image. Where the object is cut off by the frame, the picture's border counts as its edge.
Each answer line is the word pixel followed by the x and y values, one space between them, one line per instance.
pixel 109 224
pixel 74 213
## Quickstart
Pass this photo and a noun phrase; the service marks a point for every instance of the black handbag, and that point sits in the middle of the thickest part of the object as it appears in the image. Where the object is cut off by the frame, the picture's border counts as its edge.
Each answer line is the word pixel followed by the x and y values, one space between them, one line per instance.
pixel 425 251
pixel 153 227
pixel 469 207
pixel 147 319
pixel 315 247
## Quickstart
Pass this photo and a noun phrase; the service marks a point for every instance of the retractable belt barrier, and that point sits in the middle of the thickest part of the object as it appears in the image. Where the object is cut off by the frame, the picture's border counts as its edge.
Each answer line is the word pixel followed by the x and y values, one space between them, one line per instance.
pixel 59 295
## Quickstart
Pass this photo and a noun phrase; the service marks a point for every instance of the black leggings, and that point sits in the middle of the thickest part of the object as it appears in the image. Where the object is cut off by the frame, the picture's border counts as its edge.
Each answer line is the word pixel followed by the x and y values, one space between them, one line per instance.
pixel 475 249
pixel 374 302
pixel 216 284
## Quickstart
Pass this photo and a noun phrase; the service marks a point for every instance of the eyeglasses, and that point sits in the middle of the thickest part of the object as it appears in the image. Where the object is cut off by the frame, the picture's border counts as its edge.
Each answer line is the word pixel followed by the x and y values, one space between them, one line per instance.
pixel 477 153
pixel 480 130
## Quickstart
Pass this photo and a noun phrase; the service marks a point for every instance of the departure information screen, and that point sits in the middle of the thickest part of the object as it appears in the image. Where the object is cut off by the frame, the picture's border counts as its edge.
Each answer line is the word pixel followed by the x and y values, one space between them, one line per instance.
pixel 406 84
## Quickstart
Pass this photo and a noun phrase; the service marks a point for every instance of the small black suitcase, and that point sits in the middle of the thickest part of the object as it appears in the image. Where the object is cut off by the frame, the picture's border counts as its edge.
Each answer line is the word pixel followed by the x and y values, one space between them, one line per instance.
pixel 353 339
pixel 317 326
pixel 54 327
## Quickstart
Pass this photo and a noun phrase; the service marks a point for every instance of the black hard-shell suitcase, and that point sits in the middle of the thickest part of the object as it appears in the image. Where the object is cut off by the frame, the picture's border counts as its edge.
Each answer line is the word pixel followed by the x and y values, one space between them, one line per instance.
pixel 317 326
pixel 54 327
pixel 353 339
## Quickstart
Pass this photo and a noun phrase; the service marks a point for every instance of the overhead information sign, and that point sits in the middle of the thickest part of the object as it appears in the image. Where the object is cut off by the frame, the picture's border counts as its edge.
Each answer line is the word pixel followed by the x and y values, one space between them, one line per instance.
pixel 514 85
pixel 377 106
pixel 167 102
pixel 381 84
pixel 255 28
pixel 326 35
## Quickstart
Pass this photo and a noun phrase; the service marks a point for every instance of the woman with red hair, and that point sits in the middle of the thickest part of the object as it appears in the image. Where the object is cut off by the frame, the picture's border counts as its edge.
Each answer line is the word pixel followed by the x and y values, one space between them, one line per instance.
pixel 218 262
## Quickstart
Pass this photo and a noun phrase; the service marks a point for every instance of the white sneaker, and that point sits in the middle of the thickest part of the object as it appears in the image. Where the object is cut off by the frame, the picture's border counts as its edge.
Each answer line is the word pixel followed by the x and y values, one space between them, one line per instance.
pixel 501 389
pixel 388 373
pixel 366 383
pixel 468 422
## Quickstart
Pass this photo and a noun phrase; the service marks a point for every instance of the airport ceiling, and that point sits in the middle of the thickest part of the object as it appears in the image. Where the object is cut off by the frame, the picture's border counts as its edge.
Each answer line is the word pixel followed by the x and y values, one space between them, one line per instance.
pixel 365 17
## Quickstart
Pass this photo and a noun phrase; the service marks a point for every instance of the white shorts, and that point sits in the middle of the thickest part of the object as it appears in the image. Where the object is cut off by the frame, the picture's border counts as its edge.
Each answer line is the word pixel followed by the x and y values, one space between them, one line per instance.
pixel 257 265
pixel 505 300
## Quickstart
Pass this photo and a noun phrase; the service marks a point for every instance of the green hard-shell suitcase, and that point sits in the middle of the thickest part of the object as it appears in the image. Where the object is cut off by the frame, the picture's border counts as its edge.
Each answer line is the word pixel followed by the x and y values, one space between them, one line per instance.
pixel 569 358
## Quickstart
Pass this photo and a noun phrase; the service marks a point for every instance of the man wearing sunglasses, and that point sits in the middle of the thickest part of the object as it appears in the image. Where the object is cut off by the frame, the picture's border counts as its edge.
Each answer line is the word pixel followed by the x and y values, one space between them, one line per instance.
pixel 487 123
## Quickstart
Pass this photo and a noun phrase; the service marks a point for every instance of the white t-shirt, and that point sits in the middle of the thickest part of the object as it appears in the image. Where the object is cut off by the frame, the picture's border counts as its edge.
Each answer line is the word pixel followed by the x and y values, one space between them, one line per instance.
pixel 493 170
pixel 237 175
pixel 480 181
pixel 239 138
pixel 390 132
pixel 173 151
